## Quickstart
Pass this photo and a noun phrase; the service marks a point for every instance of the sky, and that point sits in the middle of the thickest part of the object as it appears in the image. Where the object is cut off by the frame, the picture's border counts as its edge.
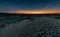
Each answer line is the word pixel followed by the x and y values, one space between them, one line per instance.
pixel 29 5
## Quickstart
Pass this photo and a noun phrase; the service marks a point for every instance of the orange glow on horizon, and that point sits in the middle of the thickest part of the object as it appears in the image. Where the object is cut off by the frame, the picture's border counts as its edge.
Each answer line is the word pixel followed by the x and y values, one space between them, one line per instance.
pixel 39 12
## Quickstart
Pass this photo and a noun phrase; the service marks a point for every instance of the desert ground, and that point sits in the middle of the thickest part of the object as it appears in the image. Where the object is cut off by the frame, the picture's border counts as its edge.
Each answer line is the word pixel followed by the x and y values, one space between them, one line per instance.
pixel 29 25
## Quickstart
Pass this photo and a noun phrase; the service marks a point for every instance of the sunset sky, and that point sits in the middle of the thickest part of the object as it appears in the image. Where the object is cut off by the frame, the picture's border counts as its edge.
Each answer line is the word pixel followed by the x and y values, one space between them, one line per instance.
pixel 30 6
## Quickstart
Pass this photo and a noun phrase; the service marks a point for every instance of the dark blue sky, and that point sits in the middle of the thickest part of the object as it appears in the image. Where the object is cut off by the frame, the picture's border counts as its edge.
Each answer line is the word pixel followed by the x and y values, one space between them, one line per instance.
pixel 15 5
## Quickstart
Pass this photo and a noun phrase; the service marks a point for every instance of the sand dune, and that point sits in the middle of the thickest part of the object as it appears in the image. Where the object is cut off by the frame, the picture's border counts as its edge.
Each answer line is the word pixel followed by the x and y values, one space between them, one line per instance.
pixel 36 27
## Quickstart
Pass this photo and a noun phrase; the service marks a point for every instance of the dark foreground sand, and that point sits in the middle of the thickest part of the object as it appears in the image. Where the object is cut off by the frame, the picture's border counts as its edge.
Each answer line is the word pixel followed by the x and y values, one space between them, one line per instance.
pixel 34 27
